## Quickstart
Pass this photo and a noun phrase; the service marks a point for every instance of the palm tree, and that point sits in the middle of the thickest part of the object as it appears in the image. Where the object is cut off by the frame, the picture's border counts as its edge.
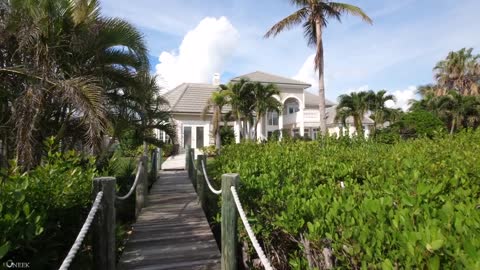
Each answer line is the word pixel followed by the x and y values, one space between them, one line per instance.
pixel 460 71
pixel 62 65
pixel 314 15
pixel 216 103
pixel 377 106
pixel 242 102
pixel 458 108
pixel 355 105
pixel 265 101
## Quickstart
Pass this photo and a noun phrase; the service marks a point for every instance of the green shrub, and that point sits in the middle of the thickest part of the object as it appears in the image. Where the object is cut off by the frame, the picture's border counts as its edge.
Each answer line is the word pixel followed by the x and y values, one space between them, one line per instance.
pixel 42 210
pixel 419 123
pixel 410 205
pixel 209 151
pixel 227 135
pixel 167 150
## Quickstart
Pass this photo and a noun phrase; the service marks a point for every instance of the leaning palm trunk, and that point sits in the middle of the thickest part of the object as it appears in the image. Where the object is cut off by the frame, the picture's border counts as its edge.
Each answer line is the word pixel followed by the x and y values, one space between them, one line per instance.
pixel 319 63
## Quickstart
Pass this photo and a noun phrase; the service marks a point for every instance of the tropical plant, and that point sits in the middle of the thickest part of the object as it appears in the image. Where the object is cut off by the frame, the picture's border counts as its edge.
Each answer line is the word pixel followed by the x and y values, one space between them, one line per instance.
pixel 460 71
pixel 406 205
pixel 459 108
pixel 314 16
pixel 418 124
pixel 355 105
pixel 217 101
pixel 65 70
pixel 241 100
pixel 377 107
pixel 265 100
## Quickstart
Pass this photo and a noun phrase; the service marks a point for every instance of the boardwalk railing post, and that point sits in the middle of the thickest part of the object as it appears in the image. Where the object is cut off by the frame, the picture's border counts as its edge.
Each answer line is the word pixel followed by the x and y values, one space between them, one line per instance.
pixel 104 250
pixel 142 186
pixel 154 168
pixel 201 181
pixel 187 161
pixel 194 172
pixel 229 222
pixel 191 153
pixel 159 158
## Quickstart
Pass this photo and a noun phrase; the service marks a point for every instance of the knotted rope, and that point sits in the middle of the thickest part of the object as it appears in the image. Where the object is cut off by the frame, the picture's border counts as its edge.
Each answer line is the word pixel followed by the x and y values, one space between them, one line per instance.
pixel 248 228
pixel 81 235
pixel 137 176
pixel 208 181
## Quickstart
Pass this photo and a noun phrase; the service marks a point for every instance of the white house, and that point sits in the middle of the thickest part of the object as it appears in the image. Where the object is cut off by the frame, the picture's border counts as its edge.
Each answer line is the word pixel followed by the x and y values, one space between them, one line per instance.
pixel 300 115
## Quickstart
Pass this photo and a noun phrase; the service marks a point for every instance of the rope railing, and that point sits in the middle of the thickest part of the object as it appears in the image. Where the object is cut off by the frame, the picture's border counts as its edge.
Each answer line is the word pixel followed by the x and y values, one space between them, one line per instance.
pixel 103 244
pixel 228 193
pixel 213 190
pixel 137 177
pixel 248 228
pixel 81 235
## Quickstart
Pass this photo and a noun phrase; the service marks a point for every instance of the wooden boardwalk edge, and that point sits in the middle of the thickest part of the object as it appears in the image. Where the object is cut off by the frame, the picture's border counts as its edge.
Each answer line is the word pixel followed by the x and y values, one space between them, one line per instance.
pixel 172 231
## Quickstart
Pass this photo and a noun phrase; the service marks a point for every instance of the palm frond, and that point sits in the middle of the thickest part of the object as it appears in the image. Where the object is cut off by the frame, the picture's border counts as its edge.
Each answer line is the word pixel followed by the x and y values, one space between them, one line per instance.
pixel 294 19
pixel 343 8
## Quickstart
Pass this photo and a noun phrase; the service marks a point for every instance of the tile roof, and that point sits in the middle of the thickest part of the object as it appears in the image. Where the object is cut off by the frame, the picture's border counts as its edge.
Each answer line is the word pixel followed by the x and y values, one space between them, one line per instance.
pixel 312 100
pixel 190 97
pixel 259 76
pixel 331 112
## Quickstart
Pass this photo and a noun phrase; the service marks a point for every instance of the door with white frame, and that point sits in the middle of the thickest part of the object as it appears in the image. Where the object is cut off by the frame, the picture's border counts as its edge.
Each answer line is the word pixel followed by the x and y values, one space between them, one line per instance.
pixel 194 136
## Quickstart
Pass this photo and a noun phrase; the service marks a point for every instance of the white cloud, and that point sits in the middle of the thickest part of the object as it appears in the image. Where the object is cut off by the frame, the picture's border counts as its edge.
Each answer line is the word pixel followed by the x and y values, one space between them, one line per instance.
pixel 203 51
pixel 359 89
pixel 307 72
pixel 402 98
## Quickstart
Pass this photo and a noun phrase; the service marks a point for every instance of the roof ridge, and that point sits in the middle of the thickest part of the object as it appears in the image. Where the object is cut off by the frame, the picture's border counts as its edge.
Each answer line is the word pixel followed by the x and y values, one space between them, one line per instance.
pixel 181 95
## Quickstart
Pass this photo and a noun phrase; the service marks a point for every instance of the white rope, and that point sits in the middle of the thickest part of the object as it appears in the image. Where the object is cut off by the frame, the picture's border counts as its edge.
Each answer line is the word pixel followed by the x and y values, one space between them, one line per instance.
pixel 81 235
pixel 251 235
pixel 208 181
pixel 137 176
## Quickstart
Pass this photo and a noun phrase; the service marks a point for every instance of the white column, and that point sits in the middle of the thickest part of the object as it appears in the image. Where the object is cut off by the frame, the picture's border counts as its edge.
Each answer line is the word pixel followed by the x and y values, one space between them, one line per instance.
pixel 302 122
pixel 367 131
pixel 280 123
pixel 236 129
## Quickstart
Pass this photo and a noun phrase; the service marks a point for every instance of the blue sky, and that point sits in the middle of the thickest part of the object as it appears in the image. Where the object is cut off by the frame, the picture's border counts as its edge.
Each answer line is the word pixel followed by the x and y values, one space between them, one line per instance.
pixel 197 38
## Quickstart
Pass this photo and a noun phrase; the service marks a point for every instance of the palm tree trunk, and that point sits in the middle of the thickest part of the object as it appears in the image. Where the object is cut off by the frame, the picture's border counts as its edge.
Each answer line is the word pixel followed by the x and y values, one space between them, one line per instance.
pixel 256 129
pixel 218 140
pixel 319 63
pixel 452 128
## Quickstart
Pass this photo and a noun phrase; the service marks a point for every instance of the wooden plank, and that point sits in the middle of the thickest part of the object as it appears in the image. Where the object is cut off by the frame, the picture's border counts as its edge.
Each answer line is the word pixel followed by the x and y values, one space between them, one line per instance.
pixel 172 231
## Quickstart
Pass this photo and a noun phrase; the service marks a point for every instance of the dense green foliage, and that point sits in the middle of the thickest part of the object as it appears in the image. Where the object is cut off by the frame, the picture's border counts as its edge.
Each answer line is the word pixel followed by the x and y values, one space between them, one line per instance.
pixel 418 123
pixel 408 205
pixel 42 210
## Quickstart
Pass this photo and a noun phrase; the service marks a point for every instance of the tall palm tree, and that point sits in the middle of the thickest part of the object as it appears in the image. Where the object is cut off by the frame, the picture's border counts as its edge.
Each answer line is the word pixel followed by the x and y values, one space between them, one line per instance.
pixel 242 103
pixel 460 71
pixel 62 64
pixel 264 101
pixel 458 108
pixel 216 103
pixel 355 105
pixel 314 16
pixel 377 106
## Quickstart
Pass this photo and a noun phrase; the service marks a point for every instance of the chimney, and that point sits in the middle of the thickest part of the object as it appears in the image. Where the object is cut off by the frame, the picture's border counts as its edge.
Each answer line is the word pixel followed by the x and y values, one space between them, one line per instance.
pixel 216 79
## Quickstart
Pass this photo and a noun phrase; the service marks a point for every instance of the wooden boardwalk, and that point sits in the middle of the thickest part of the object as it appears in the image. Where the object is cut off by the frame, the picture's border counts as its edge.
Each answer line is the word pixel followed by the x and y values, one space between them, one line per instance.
pixel 172 231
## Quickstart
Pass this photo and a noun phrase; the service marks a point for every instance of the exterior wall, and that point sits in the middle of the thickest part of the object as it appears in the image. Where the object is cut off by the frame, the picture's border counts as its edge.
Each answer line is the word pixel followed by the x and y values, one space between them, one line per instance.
pixel 194 120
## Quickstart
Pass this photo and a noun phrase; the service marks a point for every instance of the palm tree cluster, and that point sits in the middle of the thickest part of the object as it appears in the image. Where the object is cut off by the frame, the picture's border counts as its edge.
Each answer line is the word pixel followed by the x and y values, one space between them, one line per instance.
pixel 69 72
pixel 249 103
pixel 358 104
pixel 314 16
pixel 455 97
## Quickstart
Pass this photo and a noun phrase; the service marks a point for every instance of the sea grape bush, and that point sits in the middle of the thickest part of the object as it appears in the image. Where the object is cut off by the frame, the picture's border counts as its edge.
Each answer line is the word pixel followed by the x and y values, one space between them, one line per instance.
pixel 408 205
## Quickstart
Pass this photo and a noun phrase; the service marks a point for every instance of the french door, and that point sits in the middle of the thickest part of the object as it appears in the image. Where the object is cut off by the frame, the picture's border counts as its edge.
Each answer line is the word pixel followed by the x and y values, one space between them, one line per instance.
pixel 193 136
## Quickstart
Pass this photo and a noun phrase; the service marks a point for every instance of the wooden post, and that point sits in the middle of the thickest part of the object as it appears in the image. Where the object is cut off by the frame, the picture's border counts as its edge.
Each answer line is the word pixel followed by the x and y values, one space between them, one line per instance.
pixel 187 161
pixel 201 185
pixel 154 168
pixel 159 159
pixel 190 166
pixel 229 222
pixel 142 186
pixel 104 250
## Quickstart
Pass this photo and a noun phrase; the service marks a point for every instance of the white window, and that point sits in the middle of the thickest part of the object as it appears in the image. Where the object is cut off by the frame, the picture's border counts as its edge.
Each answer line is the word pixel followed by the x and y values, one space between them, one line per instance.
pixel 306 132
pixel 292 108
pixel 161 136
pixel 314 133
pixel 272 118
pixel 296 132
